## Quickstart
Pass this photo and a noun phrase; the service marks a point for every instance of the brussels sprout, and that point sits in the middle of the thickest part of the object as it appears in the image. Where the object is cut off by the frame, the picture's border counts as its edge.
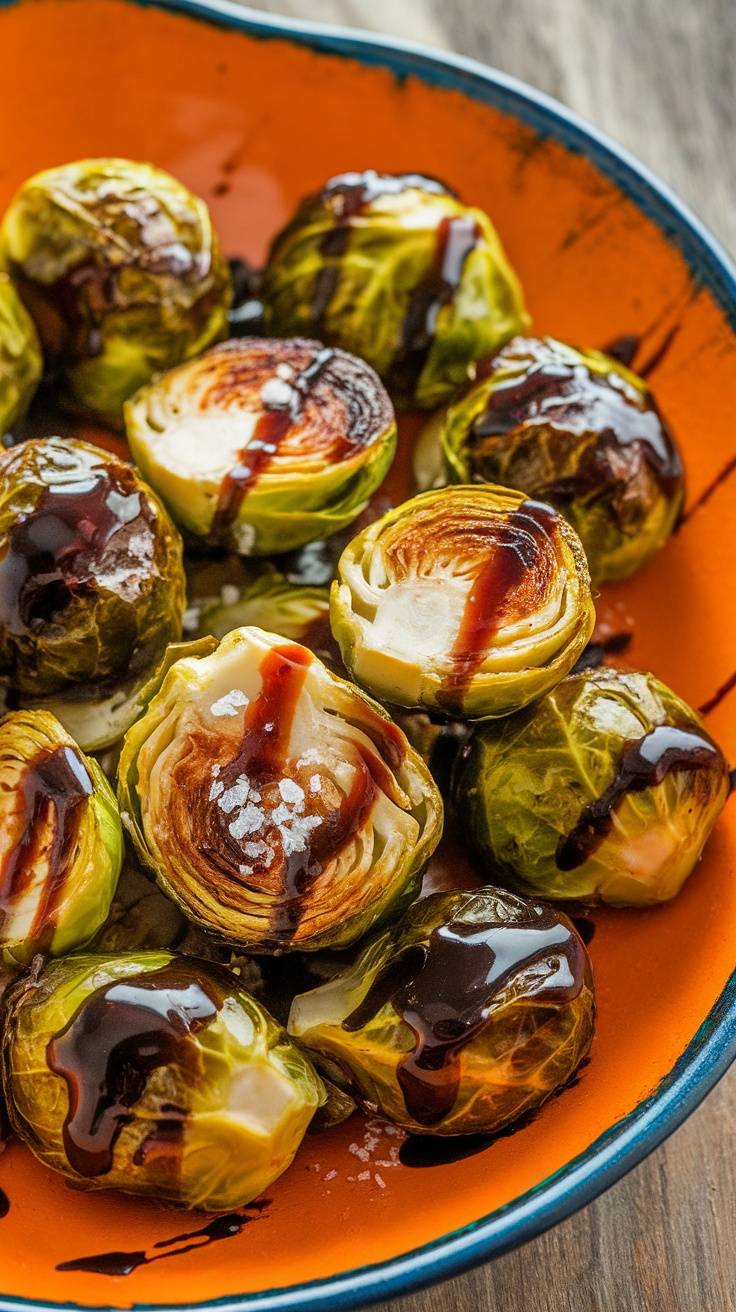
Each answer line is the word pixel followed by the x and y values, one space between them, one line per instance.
pixel 605 791
pixel 398 270
pixel 20 356
pixel 158 1075
pixel 468 1013
pixel 261 446
pixel 61 841
pixel 581 431
pixel 118 264
pixel 271 603
pixel 277 805
pixel 91 585
pixel 472 601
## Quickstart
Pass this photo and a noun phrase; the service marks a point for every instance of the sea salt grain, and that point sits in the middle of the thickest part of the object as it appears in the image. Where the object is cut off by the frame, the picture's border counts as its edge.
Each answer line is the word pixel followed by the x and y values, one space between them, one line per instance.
pixel 248 821
pixel 276 394
pixel 315 783
pixel 229 704
pixel 235 796
pixel 330 1175
pixel 291 792
pixel 216 790
pixel 381 1183
pixel 364 1175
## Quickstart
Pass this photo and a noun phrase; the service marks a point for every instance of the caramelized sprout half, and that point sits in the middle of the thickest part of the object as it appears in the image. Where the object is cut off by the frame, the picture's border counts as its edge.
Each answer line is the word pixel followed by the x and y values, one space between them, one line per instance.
pixel 470 601
pixel 61 841
pixel 261 446
pixel 278 805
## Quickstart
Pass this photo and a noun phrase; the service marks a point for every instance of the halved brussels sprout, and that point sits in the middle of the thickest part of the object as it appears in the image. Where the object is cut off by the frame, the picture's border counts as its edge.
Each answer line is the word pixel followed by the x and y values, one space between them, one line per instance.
pixel 581 431
pixel 605 791
pixel 398 270
pixel 278 805
pixel 91 585
pixel 261 445
pixel 158 1075
pixel 61 841
pixel 472 601
pixel 468 1013
pixel 20 356
pixel 119 266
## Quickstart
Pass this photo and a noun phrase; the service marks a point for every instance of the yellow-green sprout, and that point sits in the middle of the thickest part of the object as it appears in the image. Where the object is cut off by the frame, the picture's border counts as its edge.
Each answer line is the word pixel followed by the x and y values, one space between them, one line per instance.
pixel 277 805
pixel 468 1013
pixel 260 445
pixel 20 356
pixel 91 585
pixel 119 266
pixel 471 601
pixel 157 1075
pixel 604 791
pixel 398 270
pixel 579 430
pixel 61 841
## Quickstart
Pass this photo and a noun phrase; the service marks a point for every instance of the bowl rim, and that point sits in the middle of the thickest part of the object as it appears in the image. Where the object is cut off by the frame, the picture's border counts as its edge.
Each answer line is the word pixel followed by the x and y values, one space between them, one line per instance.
pixel 713 1048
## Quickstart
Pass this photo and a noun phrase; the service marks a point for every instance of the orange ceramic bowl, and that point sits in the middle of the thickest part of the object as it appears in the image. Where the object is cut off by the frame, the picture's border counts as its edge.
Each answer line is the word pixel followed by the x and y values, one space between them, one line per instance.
pixel 252 113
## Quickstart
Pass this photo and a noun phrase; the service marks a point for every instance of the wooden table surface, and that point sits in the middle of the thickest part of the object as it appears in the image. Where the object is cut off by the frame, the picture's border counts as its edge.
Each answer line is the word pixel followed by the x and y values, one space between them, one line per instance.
pixel 660 77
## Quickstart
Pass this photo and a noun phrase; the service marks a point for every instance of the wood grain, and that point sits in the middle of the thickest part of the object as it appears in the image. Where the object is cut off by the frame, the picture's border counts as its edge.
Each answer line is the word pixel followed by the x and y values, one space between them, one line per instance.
pixel 659 76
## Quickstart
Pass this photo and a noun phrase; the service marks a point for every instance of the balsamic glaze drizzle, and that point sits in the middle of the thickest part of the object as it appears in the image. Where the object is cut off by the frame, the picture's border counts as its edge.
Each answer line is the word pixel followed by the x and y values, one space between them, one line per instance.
pixel 718 695
pixel 643 764
pixel 118 1036
pixel 349 195
pixel 595 653
pixel 271 428
pixel 444 991
pixel 554 393
pixel 124 1264
pixel 523 537
pixel 264 759
pixel 721 477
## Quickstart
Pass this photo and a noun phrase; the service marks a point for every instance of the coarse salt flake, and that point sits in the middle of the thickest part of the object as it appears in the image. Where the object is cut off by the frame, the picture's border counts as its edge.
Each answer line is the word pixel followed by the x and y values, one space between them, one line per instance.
pixel 247 821
pixel 230 703
pixel 235 796
pixel 291 792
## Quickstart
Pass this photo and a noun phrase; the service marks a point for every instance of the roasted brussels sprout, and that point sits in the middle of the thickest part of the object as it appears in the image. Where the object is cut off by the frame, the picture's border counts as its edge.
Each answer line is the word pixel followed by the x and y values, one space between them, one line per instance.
pixel 120 269
pixel 279 806
pixel 472 601
pixel 605 791
pixel 272 603
pixel 91 585
pixel 61 841
pixel 468 1013
pixel 20 356
pixel 398 270
pixel 158 1075
pixel 261 446
pixel 581 431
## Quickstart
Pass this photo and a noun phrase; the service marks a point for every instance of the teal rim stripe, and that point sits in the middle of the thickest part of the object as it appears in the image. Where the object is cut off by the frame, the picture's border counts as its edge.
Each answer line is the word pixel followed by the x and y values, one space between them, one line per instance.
pixel 712 1050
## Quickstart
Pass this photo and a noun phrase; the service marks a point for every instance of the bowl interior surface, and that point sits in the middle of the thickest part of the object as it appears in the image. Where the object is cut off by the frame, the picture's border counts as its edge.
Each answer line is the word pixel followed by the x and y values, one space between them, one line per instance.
pixel 252 125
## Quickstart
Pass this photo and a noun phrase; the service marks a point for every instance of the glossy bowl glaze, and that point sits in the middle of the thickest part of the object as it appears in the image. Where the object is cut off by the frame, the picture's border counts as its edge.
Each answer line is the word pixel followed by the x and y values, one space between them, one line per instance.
pixel 252 113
